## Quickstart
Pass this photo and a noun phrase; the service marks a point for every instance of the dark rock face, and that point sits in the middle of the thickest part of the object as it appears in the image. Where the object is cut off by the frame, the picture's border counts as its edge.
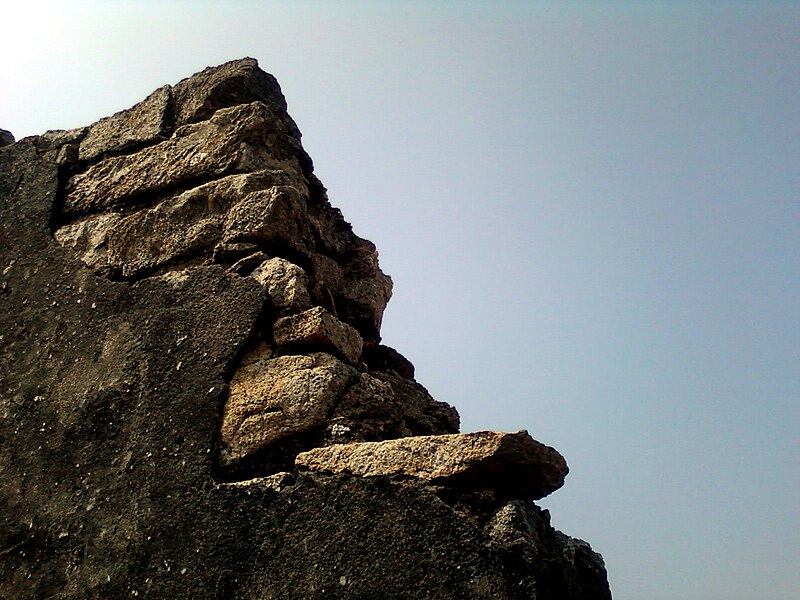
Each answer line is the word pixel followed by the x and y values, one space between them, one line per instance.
pixel 6 137
pixel 182 313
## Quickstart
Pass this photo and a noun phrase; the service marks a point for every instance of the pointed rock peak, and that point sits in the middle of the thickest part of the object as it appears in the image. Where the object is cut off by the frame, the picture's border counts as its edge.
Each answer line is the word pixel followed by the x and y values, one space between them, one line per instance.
pixel 235 82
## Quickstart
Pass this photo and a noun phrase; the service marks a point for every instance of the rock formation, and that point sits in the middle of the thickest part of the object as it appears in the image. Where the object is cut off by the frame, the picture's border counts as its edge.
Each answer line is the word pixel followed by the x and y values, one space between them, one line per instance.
pixel 194 397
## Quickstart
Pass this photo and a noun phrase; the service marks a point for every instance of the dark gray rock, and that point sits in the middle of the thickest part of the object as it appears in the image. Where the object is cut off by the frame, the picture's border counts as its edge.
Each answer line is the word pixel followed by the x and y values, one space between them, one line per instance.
pixel 132 303
pixel 6 138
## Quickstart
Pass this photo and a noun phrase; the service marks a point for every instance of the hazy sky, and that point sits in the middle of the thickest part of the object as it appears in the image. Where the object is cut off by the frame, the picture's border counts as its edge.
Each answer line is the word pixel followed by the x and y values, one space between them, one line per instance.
pixel 591 212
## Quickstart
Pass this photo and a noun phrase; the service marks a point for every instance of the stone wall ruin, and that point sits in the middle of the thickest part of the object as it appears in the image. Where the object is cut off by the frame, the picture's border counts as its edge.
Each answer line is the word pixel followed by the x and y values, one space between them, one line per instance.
pixel 195 398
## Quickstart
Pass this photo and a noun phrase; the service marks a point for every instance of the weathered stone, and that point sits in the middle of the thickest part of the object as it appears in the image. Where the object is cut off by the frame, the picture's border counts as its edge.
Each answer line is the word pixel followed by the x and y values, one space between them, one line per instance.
pixel 346 271
pixel 188 224
pixel 143 123
pixel 273 218
pixel 272 399
pixel 245 257
pixel 326 277
pixel 276 483
pixel 517 532
pixel 88 238
pixel 512 464
pixel 6 138
pixel 420 412
pixel 192 223
pixel 355 289
pixel 51 142
pixel 237 139
pixel 286 284
pixel 317 329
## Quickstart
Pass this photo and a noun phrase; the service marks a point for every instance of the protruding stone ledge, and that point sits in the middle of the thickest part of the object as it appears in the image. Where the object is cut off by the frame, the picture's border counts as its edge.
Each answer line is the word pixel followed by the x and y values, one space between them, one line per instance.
pixel 514 465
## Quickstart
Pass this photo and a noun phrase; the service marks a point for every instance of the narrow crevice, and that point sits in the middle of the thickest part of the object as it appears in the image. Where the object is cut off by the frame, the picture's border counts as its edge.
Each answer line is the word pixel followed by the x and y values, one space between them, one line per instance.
pixel 276 458
pixel 207 257
pixel 63 175
pixel 178 263
pixel 168 118
pixel 132 147
pixel 17 185
pixel 261 331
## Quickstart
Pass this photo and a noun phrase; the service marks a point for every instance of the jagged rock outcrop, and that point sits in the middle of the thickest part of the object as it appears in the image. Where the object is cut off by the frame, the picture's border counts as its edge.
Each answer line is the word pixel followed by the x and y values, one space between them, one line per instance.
pixel 194 397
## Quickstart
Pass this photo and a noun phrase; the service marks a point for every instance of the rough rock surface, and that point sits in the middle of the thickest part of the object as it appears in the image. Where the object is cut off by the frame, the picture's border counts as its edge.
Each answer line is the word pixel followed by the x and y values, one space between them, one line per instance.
pixel 160 372
pixel 512 464
pixel 286 283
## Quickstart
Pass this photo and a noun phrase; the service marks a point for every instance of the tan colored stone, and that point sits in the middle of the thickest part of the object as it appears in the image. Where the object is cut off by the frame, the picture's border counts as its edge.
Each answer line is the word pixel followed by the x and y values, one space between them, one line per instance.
pixel 513 464
pixel 318 329
pixel 286 284
pixel 88 238
pixel 190 223
pixel 272 399
pixel 237 139
pixel 275 483
pixel 274 217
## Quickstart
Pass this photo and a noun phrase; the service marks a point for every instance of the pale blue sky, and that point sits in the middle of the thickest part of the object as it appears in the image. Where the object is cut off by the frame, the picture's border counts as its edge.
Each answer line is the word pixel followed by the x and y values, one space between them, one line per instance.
pixel 591 212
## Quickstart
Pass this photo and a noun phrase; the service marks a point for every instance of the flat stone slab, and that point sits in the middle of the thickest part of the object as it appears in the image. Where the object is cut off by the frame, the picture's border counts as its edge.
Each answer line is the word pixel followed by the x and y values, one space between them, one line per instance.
pixel 513 464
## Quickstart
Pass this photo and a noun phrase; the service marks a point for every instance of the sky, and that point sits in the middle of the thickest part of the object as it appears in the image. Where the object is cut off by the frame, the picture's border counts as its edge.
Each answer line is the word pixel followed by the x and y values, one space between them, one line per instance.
pixel 591 213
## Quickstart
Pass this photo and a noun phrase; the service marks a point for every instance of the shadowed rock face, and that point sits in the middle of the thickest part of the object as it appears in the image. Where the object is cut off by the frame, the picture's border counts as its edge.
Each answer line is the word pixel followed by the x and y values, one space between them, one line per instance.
pixel 182 314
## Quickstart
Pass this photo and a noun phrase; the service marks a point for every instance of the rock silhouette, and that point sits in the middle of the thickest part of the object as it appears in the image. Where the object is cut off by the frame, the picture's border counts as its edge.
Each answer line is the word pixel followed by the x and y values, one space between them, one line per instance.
pixel 195 399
